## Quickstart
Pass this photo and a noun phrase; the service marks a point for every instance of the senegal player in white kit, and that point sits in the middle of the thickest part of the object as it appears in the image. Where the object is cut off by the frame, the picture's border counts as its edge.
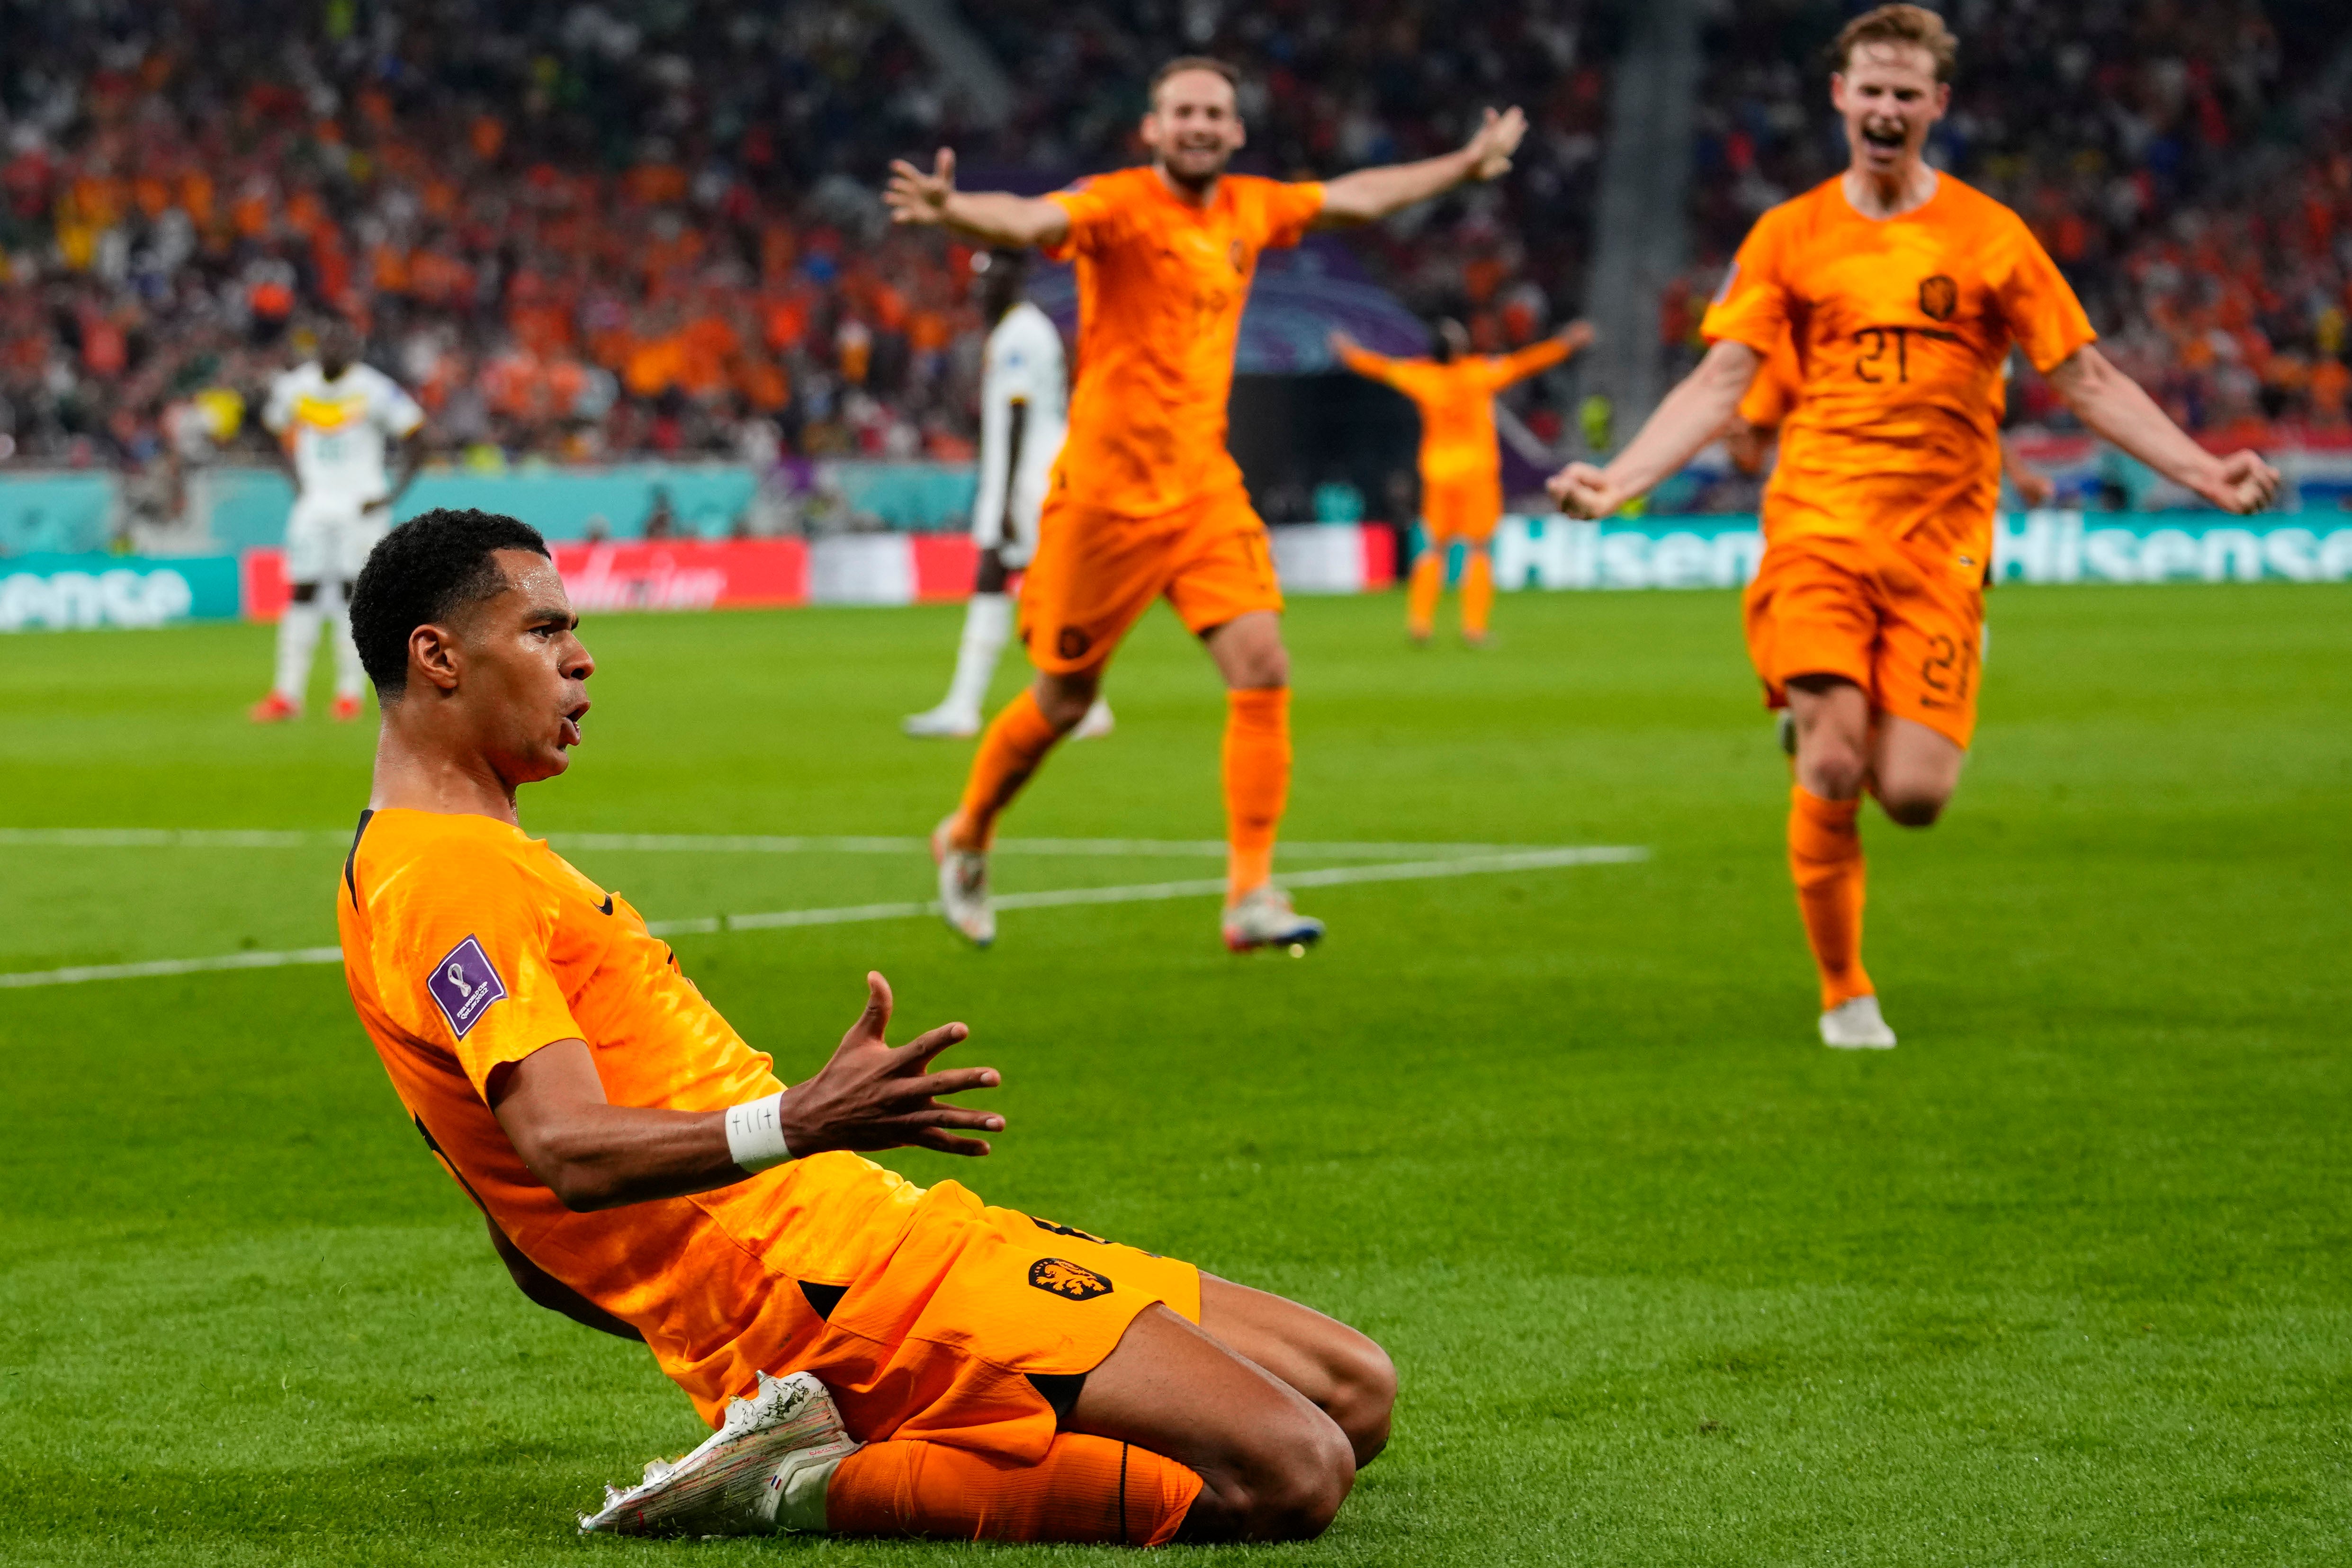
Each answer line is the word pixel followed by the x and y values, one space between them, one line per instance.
pixel 335 418
pixel 1023 415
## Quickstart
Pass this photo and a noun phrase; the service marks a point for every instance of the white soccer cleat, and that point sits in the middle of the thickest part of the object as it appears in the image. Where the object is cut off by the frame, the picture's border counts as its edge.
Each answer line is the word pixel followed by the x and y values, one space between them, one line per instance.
pixel 763 1470
pixel 941 723
pixel 963 887
pixel 1854 1024
pixel 1264 918
pixel 1097 724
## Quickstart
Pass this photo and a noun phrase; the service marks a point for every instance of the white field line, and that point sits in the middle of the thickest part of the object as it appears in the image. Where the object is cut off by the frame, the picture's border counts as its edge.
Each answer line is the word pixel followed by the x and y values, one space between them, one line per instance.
pixel 726 843
pixel 1141 893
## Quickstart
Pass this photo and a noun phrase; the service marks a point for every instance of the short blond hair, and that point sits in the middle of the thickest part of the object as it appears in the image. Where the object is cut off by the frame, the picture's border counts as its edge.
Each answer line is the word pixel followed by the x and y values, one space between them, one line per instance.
pixel 1913 27
pixel 1184 63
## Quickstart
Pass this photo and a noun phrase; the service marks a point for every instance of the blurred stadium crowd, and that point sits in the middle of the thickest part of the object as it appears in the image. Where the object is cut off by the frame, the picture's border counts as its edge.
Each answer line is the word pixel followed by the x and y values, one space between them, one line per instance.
pixel 2189 165
pixel 584 231
pixel 581 232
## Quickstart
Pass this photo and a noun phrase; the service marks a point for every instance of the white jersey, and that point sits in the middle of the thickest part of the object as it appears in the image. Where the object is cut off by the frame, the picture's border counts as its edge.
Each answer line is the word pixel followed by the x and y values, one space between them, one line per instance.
pixel 339 428
pixel 1023 365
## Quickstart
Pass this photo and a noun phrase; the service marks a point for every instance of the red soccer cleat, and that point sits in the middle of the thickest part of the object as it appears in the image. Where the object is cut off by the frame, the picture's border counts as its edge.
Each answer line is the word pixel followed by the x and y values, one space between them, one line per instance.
pixel 348 708
pixel 274 709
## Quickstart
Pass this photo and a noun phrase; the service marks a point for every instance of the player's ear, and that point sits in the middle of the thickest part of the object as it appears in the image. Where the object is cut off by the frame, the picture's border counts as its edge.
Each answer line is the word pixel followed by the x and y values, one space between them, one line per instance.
pixel 434 658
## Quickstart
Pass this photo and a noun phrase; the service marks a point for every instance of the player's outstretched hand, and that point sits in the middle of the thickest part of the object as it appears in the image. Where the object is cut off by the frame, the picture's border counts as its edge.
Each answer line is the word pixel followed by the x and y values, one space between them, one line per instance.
pixel 1498 137
pixel 1584 491
pixel 1339 343
pixel 1577 336
pixel 874 1095
pixel 2243 483
pixel 915 197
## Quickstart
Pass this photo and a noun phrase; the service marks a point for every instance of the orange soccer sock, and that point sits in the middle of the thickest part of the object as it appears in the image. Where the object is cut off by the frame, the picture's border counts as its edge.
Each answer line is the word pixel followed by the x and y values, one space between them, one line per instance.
pixel 1016 741
pixel 1477 592
pixel 1086 1488
pixel 1826 860
pixel 1422 588
pixel 1257 784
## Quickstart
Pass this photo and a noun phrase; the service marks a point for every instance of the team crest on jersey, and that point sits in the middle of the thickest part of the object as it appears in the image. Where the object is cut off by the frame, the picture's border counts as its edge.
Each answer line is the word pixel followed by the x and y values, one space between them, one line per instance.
pixel 1071 642
pixel 463 985
pixel 1071 1281
pixel 1938 298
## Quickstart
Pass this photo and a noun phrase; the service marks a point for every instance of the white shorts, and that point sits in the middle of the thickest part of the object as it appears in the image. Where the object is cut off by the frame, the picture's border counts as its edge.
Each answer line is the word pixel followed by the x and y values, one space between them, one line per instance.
pixel 328 538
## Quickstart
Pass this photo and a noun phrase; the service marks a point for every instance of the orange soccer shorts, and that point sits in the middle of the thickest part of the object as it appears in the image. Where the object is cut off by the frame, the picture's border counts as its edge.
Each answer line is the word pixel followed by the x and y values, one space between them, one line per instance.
pixel 979 1327
pixel 1903 621
pixel 1095 572
pixel 1462 508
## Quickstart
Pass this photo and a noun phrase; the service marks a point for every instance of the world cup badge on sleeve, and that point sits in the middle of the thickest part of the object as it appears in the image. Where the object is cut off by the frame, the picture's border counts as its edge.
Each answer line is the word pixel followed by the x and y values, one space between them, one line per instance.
pixel 464 985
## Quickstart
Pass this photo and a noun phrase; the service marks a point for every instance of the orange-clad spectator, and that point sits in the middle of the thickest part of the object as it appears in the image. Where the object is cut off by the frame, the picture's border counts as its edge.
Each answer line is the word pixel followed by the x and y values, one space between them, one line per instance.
pixel 388 271
pixel 439 198
pixel 2326 392
pixel 515 385
pixel 305 214
pixel 784 318
pixel 762 383
pixel 853 345
pixel 249 213
pixel 777 250
pixel 655 366
pixel 653 185
pixel 566 382
pixel 487 135
pixel 927 331
pixel 197 197
pixel 152 194
pixel 104 350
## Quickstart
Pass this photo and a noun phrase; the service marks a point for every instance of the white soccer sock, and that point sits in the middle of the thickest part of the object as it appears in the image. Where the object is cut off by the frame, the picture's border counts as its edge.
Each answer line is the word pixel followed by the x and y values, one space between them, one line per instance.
pixel 987 627
pixel 349 677
pixel 297 638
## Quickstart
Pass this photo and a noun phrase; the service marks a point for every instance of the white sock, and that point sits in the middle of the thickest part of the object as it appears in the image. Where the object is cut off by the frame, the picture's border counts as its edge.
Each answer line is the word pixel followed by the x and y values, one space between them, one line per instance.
pixel 987 627
pixel 297 638
pixel 349 677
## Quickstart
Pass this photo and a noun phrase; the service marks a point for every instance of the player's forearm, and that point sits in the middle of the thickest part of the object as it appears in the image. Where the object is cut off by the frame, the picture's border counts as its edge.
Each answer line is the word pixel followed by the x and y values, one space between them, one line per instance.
pixel 2114 408
pixel 1688 419
pixel 608 1157
pixel 998 219
pixel 1369 194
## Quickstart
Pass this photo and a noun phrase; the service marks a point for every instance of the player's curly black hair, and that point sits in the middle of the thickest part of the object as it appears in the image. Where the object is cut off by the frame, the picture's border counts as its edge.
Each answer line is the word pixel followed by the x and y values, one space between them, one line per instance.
pixel 435 563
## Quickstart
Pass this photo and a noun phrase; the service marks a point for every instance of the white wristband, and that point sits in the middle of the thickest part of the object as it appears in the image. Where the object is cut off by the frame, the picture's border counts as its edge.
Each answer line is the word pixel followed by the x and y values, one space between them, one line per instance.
pixel 755 1132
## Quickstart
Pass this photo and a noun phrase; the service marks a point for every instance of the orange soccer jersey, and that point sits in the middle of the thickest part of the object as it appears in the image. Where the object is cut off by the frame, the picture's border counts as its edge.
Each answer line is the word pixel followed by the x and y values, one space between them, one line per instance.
pixel 1457 404
pixel 469 946
pixel 1161 285
pixel 1900 329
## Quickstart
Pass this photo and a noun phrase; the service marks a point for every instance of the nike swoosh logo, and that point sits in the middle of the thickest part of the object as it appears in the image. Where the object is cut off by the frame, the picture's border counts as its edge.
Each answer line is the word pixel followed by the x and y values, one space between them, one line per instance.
pixel 607 907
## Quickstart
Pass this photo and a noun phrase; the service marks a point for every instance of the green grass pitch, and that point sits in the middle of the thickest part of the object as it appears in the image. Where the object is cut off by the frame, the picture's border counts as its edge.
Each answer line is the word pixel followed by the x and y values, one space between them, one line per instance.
pixel 2066 1279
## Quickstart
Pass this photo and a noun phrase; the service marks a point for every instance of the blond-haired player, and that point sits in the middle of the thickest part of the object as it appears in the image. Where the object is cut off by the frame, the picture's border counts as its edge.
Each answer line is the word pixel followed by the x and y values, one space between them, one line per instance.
pixel 1903 290
pixel 1145 500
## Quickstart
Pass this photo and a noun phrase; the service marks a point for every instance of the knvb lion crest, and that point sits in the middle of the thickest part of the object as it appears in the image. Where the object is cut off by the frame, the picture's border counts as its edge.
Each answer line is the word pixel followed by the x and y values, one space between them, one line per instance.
pixel 1071 1281
pixel 1938 298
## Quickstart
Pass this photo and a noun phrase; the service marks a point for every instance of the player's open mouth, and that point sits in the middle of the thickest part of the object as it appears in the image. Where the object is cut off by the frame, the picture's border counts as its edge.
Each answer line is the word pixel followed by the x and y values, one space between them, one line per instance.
pixel 1887 139
pixel 568 735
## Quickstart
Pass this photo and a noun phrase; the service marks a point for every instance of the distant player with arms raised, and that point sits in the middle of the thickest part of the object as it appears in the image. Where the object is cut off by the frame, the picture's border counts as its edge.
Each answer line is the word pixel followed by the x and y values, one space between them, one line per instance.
pixel 1145 500
pixel 879 1359
pixel 1903 290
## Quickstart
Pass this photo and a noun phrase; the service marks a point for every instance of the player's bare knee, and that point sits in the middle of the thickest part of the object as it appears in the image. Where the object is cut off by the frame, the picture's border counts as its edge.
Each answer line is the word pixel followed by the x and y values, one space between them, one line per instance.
pixel 1294 1494
pixel 1363 1396
pixel 1832 770
pixel 1913 807
pixel 1063 699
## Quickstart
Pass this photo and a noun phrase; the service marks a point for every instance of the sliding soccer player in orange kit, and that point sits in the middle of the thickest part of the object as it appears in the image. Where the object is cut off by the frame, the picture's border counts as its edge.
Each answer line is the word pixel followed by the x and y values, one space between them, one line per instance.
pixel 877 1358
pixel 1903 290
pixel 1145 500
pixel 1461 467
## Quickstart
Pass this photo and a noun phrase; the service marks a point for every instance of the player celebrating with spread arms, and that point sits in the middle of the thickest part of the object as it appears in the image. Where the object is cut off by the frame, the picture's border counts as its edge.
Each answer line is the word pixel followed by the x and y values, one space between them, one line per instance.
pixel 1145 498
pixel 878 1359
pixel 1461 467
pixel 1904 290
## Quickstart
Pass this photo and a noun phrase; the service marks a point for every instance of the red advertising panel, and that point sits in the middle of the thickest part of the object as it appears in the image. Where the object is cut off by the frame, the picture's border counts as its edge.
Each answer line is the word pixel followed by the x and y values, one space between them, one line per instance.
pixel 944 565
pixel 684 574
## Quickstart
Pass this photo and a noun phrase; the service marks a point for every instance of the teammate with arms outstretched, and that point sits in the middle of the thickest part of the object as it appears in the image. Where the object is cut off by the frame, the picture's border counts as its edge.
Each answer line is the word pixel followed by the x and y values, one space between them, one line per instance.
pixel 877 1359
pixel 1461 467
pixel 1145 500
pixel 1903 290
pixel 1023 415
pixel 333 419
